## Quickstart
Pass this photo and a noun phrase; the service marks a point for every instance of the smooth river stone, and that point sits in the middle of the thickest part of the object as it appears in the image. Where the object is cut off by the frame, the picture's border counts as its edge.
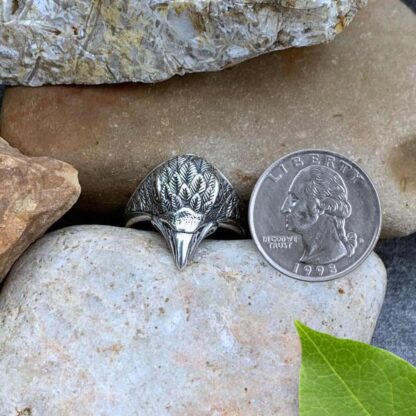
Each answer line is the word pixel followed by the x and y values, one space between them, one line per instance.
pixel 34 193
pixel 96 320
pixel 95 42
pixel 355 96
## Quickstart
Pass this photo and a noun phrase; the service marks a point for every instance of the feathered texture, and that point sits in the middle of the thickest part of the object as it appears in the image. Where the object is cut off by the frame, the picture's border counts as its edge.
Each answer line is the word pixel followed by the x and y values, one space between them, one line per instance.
pixel 186 182
pixel 186 199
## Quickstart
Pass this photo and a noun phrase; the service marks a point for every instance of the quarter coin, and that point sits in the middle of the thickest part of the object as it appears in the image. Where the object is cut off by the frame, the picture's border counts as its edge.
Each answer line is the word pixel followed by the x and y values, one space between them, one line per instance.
pixel 315 215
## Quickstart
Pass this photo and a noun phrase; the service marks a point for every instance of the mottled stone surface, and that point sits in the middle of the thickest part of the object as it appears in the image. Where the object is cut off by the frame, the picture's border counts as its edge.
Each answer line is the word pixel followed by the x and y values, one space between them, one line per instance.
pixel 355 96
pixel 97 321
pixel 34 193
pixel 103 41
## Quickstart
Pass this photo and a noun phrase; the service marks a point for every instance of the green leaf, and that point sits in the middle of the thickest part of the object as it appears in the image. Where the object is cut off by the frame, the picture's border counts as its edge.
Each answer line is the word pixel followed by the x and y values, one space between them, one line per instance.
pixel 342 377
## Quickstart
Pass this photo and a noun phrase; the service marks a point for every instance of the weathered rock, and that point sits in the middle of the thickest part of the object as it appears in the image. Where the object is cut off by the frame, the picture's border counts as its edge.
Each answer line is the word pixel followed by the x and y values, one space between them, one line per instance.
pixel 94 41
pixel 34 193
pixel 97 320
pixel 355 96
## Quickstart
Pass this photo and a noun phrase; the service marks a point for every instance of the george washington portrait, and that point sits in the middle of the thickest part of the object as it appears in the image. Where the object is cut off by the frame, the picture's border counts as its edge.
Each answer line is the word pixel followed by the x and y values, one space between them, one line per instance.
pixel 316 207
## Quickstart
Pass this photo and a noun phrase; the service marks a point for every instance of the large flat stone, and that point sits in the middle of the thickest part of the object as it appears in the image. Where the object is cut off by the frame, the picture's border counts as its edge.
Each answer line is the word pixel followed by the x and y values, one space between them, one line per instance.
pixel 95 41
pixel 355 96
pixel 34 193
pixel 97 321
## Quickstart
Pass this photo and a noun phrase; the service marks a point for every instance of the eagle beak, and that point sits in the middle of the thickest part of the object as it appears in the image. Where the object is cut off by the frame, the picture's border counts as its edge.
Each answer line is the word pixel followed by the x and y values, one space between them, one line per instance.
pixel 182 246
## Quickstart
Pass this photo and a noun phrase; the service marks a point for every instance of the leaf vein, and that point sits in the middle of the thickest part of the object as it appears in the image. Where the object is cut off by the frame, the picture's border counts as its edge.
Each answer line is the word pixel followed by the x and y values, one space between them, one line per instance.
pixel 335 372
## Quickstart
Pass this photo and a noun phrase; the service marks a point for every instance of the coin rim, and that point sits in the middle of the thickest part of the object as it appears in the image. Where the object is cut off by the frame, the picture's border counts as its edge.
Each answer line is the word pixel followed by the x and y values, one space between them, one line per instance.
pixel 275 265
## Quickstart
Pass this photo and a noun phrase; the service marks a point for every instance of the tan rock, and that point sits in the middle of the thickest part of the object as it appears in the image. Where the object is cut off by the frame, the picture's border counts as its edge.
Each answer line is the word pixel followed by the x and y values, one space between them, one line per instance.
pixel 356 95
pixel 34 193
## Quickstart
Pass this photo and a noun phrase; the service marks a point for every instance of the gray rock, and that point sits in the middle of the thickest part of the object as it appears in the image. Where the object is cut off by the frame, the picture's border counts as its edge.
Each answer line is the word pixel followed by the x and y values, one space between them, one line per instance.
pixel 396 327
pixel 93 42
pixel 97 321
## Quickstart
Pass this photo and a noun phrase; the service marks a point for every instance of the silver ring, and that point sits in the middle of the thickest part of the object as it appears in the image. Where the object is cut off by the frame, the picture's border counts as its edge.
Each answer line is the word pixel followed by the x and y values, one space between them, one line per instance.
pixel 186 199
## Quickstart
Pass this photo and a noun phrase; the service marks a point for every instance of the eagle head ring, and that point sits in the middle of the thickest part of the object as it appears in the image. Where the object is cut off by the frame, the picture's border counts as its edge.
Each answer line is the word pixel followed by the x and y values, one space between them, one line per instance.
pixel 186 199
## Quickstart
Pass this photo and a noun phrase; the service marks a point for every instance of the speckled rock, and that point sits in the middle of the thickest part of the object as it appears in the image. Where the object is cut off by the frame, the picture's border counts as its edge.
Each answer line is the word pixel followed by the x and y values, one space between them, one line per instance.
pixel 34 193
pixel 97 320
pixel 355 96
pixel 94 41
